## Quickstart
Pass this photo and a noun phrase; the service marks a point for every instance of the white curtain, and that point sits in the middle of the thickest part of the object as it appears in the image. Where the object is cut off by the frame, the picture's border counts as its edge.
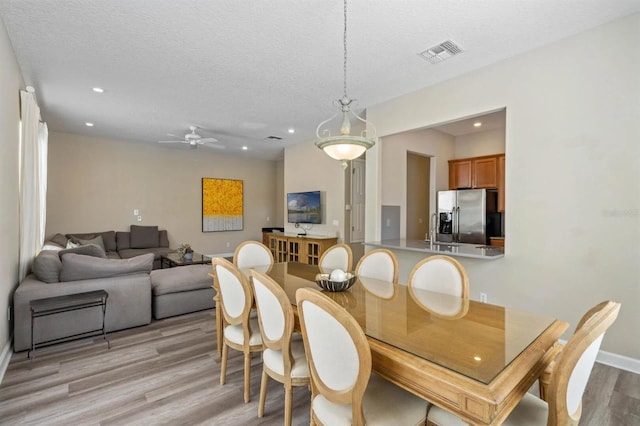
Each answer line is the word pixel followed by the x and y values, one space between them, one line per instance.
pixel 33 180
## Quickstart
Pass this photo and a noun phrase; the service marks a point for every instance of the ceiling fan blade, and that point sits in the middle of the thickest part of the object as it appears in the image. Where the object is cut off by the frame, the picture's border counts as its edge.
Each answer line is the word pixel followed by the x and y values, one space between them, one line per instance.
pixel 172 142
pixel 209 145
pixel 205 140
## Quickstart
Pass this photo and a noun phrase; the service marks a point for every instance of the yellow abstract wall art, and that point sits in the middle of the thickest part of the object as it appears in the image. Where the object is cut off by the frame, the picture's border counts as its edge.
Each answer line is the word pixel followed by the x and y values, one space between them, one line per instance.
pixel 222 208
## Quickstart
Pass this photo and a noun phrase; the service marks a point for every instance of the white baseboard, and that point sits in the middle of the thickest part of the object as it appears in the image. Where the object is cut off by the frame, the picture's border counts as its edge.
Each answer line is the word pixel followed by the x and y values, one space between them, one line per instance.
pixel 614 360
pixel 5 357
pixel 220 255
pixel 619 361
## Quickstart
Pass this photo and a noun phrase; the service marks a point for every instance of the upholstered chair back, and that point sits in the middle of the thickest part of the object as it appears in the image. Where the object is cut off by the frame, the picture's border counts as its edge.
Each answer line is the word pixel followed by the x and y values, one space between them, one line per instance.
pixel 252 253
pixel 381 264
pixel 440 274
pixel 338 256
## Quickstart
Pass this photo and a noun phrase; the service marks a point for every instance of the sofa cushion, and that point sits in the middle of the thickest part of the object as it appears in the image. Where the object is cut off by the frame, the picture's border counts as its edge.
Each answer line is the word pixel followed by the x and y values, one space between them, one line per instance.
pixel 46 266
pixel 108 238
pixel 123 240
pixel 97 241
pixel 88 250
pixel 80 267
pixel 157 251
pixel 164 238
pixel 59 239
pixel 144 236
pixel 183 278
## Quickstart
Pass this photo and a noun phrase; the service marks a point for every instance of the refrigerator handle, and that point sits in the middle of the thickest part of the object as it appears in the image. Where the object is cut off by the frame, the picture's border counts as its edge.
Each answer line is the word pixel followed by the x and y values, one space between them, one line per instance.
pixel 457 222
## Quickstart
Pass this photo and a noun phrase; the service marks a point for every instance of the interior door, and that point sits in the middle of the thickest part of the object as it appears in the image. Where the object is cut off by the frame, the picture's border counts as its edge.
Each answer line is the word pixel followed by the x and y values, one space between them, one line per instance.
pixel 357 200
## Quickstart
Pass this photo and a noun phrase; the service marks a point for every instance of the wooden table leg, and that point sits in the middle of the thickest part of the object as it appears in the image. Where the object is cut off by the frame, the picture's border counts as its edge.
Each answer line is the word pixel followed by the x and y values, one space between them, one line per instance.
pixel 216 299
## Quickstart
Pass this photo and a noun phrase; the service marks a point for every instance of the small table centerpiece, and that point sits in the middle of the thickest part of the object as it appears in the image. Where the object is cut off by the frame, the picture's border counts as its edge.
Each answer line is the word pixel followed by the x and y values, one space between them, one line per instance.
pixel 185 251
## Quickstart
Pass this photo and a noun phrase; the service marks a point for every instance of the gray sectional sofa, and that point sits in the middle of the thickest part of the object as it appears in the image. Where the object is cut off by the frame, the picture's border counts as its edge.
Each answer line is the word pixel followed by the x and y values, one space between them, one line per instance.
pixel 127 281
pixel 122 264
pixel 120 245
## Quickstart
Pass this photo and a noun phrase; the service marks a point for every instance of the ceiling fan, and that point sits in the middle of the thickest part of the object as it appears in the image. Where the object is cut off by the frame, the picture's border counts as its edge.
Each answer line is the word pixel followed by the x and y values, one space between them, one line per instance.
pixel 194 140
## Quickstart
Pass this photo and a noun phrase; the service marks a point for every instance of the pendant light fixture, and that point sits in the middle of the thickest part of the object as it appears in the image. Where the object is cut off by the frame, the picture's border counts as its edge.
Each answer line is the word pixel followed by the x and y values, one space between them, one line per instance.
pixel 343 146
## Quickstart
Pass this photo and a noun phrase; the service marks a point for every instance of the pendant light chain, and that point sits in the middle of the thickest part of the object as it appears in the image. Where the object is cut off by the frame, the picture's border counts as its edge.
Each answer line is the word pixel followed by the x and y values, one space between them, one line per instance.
pixel 345 50
pixel 343 146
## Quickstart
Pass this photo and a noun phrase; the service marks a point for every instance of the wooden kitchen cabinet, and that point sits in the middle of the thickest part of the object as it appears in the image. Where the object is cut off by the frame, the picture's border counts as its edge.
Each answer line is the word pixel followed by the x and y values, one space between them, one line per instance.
pixel 460 174
pixel 477 172
pixel 501 180
pixel 485 172
pixel 293 248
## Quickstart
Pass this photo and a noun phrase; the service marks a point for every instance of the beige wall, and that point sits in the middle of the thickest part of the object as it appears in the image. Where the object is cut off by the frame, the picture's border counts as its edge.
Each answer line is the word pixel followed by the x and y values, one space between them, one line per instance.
pixel 307 168
pixel 95 184
pixel 573 174
pixel 432 143
pixel 10 84
pixel 479 144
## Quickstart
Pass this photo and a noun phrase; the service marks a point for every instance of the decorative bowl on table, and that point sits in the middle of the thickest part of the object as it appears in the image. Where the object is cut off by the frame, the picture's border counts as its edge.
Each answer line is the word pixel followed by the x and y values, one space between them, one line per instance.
pixel 335 282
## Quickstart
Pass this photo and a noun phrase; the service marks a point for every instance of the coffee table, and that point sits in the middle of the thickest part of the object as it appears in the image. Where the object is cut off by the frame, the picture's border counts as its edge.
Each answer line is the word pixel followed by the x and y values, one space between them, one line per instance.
pixel 174 259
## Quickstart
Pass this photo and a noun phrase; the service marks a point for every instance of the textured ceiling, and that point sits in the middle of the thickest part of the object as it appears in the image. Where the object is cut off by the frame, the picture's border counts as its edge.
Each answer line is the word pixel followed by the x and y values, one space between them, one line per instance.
pixel 245 70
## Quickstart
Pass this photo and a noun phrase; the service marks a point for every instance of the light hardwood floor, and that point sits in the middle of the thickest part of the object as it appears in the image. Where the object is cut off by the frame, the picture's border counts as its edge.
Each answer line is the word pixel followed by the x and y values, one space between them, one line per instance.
pixel 168 373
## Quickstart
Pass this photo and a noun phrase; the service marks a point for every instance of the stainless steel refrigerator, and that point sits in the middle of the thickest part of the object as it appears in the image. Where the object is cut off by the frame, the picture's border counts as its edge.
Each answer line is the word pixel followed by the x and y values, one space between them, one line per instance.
pixel 468 216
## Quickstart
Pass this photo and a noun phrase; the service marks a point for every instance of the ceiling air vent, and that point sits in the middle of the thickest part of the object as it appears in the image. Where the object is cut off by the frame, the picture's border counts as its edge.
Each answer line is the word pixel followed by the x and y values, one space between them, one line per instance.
pixel 274 138
pixel 443 51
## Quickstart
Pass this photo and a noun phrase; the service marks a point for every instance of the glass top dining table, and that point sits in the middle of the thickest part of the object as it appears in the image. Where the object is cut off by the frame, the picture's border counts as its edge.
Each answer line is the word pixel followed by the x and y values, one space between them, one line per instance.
pixel 475 359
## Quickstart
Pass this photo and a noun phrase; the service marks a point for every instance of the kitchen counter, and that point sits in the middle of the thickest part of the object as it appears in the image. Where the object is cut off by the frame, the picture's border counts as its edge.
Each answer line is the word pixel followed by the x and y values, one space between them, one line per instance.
pixel 476 251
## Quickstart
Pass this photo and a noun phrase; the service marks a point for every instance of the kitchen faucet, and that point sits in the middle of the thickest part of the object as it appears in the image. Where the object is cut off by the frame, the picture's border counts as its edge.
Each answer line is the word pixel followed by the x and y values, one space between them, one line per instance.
pixel 432 228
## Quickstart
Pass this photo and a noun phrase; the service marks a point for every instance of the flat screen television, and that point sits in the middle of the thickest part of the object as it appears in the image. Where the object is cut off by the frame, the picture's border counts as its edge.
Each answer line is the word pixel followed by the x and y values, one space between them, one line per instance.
pixel 304 207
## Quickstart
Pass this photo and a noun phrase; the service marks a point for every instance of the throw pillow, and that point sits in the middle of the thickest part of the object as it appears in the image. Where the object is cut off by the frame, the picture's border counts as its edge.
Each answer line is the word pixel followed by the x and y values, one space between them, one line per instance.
pixel 89 250
pixel 71 244
pixel 97 241
pixel 144 236
pixel 60 240
pixel 46 266
pixel 79 267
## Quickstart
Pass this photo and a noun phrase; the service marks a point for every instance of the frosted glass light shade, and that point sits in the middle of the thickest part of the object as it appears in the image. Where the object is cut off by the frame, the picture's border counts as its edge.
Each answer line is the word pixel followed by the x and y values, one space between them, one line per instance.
pixel 344 147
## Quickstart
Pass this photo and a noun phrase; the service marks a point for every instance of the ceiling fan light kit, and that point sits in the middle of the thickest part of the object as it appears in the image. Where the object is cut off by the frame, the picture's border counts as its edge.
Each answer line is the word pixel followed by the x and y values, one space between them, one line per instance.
pixel 344 147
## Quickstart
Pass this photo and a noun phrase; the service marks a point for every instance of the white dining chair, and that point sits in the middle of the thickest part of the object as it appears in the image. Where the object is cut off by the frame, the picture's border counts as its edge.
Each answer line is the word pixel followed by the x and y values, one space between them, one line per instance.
pixel 252 253
pixel 568 381
pixel 283 357
pixel 343 390
pixel 545 377
pixel 440 274
pixel 381 264
pixel 241 332
pixel 338 256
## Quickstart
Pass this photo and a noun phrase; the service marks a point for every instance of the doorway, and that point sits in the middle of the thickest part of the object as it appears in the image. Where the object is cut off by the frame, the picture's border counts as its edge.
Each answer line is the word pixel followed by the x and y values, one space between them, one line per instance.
pixel 418 196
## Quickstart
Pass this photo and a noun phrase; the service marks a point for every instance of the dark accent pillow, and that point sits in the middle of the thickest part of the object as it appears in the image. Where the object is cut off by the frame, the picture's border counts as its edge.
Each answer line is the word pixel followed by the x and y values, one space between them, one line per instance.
pixel 164 238
pixel 144 236
pixel 79 267
pixel 108 238
pixel 98 241
pixel 123 240
pixel 59 239
pixel 88 250
pixel 46 266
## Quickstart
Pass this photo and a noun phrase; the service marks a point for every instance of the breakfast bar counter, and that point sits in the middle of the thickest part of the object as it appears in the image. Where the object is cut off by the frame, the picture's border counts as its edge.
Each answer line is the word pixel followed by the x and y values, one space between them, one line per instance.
pixel 476 251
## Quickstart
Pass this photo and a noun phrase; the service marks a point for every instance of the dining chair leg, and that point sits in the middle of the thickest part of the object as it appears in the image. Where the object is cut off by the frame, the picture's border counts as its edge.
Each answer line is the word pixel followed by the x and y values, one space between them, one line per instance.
pixel 263 393
pixel 287 405
pixel 247 375
pixel 219 331
pixel 223 364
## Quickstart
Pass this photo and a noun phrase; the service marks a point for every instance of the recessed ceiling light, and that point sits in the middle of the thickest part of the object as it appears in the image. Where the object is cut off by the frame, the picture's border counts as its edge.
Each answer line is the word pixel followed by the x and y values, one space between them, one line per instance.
pixel 292 130
pixel 477 124
pixel 98 90
pixel 477 358
pixel 88 124
pixel 244 148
